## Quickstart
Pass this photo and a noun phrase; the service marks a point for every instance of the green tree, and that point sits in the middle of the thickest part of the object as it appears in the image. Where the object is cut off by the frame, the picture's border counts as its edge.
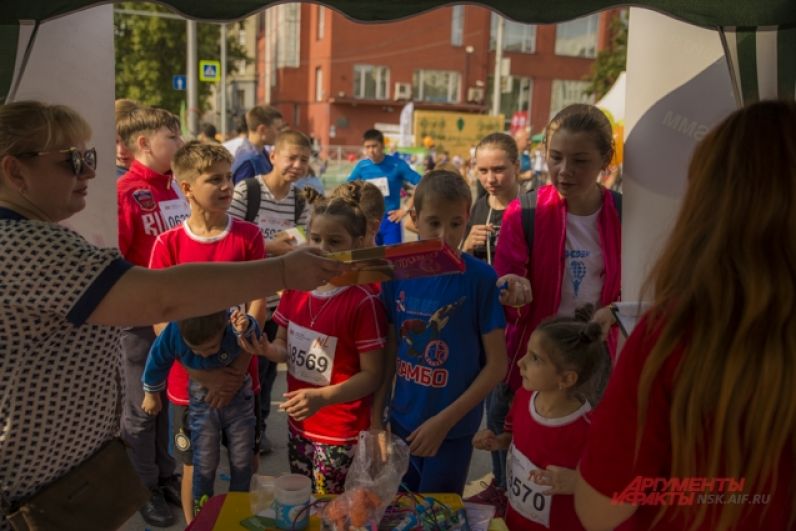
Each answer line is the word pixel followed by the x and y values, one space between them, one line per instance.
pixel 611 61
pixel 150 50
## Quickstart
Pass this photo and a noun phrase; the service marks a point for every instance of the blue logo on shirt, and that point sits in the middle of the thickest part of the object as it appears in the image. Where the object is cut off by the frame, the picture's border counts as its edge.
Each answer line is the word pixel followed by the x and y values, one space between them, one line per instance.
pixel 577 268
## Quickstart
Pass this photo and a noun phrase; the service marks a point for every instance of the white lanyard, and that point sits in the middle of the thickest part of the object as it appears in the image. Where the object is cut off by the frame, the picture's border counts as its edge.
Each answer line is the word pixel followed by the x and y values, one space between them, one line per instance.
pixel 488 246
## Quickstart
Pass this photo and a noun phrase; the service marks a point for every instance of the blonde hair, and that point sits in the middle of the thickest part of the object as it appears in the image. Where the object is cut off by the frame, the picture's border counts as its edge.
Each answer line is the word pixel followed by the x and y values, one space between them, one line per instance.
pixel 146 121
pixel 196 158
pixel 724 290
pixel 292 138
pixel 124 109
pixel 33 126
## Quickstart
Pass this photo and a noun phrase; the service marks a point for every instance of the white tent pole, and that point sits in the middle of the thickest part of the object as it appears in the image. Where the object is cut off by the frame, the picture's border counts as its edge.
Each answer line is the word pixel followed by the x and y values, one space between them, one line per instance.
pixel 498 65
pixel 192 79
pixel 224 80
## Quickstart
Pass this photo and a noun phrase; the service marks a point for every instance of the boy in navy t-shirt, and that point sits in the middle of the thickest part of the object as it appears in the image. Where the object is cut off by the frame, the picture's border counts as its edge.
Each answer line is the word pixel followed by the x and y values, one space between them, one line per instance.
pixel 446 334
pixel 388 173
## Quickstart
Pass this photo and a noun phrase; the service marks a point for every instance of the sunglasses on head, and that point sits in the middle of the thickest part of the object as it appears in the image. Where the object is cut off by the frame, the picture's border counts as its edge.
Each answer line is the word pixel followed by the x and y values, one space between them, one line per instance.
pixel 79 160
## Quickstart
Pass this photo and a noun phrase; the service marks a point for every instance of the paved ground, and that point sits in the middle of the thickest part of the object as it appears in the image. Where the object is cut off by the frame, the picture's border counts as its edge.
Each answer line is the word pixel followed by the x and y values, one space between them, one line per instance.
pixel 276 463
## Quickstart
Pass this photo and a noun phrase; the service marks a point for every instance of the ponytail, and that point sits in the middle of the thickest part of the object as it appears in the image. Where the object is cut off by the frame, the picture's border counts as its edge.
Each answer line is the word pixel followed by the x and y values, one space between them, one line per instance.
pixel 577 345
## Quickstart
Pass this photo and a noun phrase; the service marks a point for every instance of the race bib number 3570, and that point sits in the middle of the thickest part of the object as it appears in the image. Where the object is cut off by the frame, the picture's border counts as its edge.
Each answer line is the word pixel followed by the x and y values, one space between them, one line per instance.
pixel 310 355
pixel 524 495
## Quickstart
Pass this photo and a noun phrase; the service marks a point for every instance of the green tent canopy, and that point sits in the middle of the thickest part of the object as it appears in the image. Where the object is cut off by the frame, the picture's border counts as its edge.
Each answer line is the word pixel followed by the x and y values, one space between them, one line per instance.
pixel 745 26
pixel 708 13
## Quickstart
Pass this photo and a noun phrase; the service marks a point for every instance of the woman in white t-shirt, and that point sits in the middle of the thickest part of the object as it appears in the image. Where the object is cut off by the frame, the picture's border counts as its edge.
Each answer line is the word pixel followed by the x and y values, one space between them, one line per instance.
pixel 566 238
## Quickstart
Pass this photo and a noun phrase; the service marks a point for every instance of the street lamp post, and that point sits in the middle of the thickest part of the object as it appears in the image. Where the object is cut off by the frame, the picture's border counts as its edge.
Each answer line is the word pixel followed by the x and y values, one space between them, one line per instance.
pixel 468 51
pixel 498 66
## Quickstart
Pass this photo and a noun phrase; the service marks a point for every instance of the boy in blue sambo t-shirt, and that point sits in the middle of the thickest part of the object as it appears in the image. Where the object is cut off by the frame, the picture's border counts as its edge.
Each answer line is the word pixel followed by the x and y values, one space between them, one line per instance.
pixel 208 342
pixel 447 337
pixel 388 173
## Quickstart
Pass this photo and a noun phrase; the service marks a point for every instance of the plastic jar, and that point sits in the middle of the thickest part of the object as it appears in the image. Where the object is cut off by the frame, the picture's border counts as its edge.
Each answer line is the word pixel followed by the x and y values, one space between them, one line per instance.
pixel 292 499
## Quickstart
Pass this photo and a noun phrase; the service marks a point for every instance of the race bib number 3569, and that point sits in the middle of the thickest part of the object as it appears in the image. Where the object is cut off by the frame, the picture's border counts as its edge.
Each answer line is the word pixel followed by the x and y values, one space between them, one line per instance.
pixel 310 355
pixel 524 495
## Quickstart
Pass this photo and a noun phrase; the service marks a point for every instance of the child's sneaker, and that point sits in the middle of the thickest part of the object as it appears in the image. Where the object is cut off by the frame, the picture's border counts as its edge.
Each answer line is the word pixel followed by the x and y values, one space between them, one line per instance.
pixel 491 495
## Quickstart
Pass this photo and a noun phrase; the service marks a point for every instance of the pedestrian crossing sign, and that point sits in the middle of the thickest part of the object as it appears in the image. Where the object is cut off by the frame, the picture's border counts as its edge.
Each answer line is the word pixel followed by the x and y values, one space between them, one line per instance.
pixel 209 71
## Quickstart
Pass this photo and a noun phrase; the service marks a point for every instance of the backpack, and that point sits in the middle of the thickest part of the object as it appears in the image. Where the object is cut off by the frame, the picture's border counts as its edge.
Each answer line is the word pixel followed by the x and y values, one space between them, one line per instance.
pixel 254 198
pixel 528 204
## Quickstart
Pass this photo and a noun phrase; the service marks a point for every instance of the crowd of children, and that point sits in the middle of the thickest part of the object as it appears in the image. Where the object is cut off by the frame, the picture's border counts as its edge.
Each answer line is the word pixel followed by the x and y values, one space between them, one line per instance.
pixel 419 356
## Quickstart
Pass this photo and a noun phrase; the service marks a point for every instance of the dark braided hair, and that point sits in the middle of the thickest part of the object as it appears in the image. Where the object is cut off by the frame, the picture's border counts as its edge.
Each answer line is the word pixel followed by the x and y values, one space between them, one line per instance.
pixel 576 345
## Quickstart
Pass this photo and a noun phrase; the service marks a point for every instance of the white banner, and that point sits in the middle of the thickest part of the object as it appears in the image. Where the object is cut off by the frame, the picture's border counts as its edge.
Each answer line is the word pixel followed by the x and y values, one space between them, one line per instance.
pixel 406 138
pixel 678 87
pixel 72 63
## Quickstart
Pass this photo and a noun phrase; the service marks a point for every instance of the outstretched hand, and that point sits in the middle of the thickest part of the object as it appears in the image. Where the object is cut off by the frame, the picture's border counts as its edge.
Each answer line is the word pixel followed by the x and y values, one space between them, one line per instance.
pixel 307 268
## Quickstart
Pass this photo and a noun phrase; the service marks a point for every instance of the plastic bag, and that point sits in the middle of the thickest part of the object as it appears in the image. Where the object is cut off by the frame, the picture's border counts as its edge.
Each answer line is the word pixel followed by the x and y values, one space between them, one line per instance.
pixel 380 462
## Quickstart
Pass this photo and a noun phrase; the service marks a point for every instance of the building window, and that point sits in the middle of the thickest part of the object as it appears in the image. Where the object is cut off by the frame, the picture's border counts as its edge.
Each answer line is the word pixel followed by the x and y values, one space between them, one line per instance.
pixel 371 82
pixel 517 37
pixel 515 94
pixel 321 28
pixel 566 92
pixel 457 25
pixel 438 86
pixel 578 37
pixel 318 84
pixel 288 20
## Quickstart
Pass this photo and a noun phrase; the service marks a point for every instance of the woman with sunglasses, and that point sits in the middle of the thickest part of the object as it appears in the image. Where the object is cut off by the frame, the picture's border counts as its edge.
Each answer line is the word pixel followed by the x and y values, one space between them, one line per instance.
pixel 63 300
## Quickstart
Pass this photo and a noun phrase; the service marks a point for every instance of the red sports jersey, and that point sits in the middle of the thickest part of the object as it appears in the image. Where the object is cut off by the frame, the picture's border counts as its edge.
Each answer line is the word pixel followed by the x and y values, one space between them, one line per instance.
pixel 326 332
pixel 240 242
pixel 610 463
pixel 148 204
pixel 538 442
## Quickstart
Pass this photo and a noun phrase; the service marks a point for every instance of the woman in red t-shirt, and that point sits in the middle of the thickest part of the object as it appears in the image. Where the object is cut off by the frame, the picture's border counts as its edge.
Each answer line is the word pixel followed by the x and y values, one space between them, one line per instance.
pixel 698 426
pixel 563 372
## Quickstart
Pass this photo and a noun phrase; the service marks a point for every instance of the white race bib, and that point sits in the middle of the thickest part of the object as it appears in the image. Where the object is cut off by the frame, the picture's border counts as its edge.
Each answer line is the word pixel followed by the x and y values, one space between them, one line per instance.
pixel 310 355
pixel 272 224
pixel 382 184
pixel 524 495
pixel 174 212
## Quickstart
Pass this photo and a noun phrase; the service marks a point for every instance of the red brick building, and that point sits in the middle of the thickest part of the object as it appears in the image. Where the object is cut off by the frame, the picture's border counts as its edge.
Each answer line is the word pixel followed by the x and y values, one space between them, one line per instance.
pixel 335 78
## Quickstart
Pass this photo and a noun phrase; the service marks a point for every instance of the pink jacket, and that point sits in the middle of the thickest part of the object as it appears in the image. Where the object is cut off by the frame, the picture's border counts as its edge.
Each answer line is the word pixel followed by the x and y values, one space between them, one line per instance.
pixel 544 267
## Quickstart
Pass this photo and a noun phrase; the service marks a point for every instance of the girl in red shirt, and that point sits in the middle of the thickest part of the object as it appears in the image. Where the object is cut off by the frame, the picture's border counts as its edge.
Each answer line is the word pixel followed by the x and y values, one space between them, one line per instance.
pixel 333 341
pixel 563 373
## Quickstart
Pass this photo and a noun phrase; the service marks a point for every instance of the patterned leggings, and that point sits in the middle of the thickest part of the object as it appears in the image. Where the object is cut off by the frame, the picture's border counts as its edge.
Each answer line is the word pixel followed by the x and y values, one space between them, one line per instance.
pixel 325 464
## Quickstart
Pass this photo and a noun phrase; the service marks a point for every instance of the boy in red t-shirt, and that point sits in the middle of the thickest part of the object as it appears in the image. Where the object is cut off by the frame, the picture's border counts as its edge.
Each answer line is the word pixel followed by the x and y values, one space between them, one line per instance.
pixel 208 235
pixel 148 204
